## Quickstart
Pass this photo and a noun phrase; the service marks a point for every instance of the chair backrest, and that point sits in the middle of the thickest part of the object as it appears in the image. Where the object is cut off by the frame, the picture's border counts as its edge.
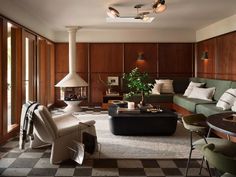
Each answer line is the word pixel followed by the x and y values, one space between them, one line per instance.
pixel 45 127
pixel 218 160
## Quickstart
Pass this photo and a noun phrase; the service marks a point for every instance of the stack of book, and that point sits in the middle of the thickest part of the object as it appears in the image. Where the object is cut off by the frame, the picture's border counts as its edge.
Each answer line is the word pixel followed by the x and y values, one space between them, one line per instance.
pixel 112 94
pixel 126 110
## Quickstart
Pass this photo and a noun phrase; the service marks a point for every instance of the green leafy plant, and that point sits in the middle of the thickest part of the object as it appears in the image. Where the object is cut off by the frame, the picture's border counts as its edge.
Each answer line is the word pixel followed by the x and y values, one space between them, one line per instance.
pixel 138 83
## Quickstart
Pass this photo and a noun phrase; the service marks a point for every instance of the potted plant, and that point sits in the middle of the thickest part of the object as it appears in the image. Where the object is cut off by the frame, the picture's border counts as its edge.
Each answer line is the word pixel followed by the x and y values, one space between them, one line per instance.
pixel 138 83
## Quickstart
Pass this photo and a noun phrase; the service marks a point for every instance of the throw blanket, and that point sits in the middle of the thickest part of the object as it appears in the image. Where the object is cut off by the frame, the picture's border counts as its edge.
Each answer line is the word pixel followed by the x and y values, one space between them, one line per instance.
pixel 26 125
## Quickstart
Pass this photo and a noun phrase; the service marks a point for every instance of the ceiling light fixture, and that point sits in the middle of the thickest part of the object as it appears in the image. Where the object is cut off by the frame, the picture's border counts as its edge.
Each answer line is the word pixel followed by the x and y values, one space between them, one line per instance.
pixel 112 12
pixel 144 15
pixel 159 6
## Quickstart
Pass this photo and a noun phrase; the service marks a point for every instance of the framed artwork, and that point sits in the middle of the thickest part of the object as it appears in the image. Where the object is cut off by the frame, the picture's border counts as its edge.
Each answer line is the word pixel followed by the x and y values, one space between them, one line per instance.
pixel 113 80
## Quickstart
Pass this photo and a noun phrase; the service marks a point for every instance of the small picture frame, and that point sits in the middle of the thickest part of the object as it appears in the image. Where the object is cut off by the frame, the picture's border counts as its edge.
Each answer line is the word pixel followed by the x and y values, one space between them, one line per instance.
pixel 113 80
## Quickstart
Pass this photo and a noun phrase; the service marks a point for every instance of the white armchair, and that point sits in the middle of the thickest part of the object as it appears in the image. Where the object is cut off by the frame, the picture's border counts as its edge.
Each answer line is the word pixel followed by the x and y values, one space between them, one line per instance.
pixel 60 131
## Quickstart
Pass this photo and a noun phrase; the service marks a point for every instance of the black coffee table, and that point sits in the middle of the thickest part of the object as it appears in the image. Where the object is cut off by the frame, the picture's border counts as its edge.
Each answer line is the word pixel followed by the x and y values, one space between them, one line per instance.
pixel 143 123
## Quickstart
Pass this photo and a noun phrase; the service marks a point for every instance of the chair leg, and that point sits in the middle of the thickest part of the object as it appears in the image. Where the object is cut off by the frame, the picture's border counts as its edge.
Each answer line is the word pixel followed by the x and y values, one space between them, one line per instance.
pixel 204 157
pixel 200 172
pixel 190 153
pixel 208 168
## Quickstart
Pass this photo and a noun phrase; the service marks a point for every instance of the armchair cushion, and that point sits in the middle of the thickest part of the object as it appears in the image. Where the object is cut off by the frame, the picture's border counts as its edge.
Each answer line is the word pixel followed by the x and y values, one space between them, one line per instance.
pixel 66 124
pixel 223 146
pixel 218 158
pixel 195 122
pixel 44 125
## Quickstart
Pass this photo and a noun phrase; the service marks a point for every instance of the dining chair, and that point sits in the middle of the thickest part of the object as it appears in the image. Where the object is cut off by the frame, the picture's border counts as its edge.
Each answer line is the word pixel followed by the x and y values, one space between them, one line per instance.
pixel 221 159
pixel 197 124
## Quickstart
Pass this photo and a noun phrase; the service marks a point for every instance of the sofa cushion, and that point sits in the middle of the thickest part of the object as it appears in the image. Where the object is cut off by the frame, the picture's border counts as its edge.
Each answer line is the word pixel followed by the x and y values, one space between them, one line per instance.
pixel 162 98
pixel 198 79
pixel 180 84
pixel 188 103
pixel 153 98
pixel 233 85
pixel 209 109
pixel 220 85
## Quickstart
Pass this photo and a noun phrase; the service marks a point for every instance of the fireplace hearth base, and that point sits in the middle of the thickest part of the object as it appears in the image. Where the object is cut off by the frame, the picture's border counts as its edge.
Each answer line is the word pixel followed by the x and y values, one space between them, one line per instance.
pixel 72 106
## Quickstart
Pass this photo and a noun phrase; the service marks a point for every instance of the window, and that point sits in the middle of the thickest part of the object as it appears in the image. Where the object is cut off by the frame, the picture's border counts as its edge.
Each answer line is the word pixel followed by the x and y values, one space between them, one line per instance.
pixel 11 74
pixel 29 68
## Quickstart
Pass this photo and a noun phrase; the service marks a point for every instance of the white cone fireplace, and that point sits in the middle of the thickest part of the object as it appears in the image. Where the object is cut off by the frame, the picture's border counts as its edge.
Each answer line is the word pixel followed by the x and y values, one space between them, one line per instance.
pixel 73 87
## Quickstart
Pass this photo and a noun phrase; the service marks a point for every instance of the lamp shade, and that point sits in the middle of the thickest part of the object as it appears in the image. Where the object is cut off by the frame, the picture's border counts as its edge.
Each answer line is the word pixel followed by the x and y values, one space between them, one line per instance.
pixel 140 56
pixel 72 80
pixel 159 6
pixel 112 12
pixel 204 55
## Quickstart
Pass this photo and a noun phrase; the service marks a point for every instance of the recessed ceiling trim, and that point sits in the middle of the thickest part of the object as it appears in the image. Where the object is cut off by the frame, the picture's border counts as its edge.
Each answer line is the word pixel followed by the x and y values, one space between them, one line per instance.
pixel 129 20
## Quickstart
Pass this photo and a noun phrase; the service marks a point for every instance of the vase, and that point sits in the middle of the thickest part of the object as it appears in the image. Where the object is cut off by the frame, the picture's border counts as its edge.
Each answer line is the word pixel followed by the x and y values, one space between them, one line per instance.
pixel 108 91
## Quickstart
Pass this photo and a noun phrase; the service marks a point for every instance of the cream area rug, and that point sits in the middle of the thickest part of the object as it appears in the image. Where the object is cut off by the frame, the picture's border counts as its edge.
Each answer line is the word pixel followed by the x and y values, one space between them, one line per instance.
pixel 139 147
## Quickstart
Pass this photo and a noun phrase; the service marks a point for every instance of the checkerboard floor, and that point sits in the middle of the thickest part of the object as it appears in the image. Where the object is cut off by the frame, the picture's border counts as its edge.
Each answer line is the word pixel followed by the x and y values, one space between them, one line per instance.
pixel 84 110
pixel 35 162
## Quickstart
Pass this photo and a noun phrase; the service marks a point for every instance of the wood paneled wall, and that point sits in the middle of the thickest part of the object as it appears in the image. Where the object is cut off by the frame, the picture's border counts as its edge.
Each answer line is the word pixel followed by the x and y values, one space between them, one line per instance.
pixel 113 59
pixel 1 78
pixel 176 59
pixel 149 64
pixel 221 63
pixel 105 60
pixel 46 72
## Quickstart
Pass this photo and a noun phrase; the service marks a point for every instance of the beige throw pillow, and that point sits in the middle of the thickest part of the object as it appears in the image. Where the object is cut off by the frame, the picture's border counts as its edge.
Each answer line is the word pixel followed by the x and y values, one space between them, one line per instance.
pixel 157 88
pixel 191 86
pixel 167 86
pixel 226 101
pixel 202 93
pixel 233 108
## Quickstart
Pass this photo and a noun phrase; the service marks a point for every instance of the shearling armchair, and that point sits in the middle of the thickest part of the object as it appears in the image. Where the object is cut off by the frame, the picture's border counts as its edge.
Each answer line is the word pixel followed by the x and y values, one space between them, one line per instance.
pixel 59 131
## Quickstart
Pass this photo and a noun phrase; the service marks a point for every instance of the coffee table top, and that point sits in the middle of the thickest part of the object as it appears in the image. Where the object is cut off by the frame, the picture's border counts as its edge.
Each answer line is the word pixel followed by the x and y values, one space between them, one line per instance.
pixel 220 123
pixel 113 111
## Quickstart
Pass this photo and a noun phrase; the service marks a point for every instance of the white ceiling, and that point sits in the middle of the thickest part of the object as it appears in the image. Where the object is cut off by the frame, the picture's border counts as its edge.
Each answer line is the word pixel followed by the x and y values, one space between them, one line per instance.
pixel 54 15
pixel 181 14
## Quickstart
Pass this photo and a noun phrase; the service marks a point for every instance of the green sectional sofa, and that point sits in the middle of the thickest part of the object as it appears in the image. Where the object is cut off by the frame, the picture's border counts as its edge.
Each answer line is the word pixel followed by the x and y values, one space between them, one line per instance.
pixel 179 85
pixel 189 103
pixel 202 106
pixel 193 105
